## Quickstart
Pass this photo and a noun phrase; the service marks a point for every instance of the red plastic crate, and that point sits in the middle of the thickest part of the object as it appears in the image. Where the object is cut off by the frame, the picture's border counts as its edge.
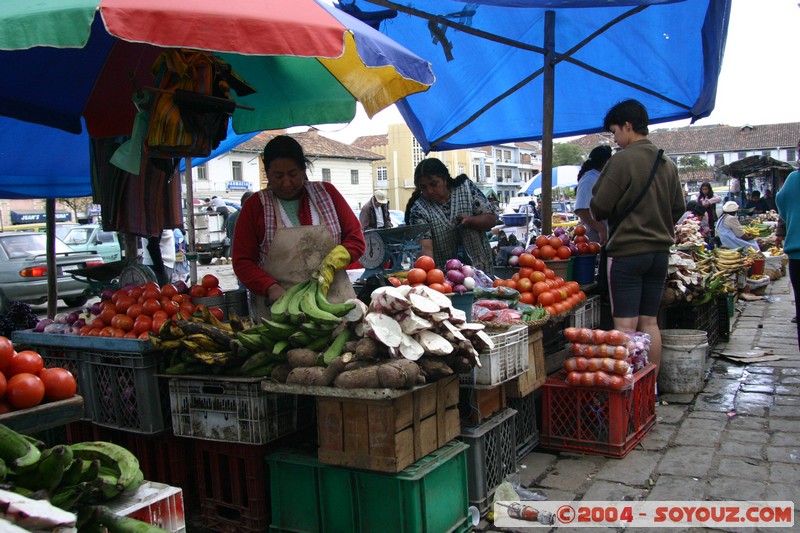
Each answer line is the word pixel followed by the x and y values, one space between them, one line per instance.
pixel 233 486
pixel 153 503
pixel 81 431
pixel 597 421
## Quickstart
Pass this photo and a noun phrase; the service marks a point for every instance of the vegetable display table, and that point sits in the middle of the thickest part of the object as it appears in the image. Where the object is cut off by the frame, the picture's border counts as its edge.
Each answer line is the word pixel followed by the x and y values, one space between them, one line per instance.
pixel 44 416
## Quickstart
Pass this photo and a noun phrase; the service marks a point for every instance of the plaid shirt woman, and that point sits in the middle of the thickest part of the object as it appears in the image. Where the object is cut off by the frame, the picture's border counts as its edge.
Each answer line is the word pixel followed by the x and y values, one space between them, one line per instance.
pixel 457 211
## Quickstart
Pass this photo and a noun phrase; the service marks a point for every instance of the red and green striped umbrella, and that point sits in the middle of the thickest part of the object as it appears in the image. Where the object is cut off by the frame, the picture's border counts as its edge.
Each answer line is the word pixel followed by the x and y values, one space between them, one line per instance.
pixel 68 60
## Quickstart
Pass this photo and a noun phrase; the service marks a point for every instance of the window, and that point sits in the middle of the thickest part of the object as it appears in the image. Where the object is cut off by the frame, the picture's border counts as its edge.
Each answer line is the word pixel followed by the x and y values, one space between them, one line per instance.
pixel 766 153
pixel 791 154
pixel 488 171
pixel 719 160
pixel 461 169
pixel 354 177
pixel 507 156
pixel 326 175
pixel 201 172
pixel 236 170
pixel 416 152
pixel 383 173
pixel 742 155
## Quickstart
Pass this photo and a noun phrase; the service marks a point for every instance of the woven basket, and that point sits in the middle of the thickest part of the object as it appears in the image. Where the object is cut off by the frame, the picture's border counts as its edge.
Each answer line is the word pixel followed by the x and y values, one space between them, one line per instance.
pixel 503 326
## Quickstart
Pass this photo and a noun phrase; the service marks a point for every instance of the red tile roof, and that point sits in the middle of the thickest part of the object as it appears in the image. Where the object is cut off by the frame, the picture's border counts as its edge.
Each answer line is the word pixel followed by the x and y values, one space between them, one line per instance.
pixel 314 145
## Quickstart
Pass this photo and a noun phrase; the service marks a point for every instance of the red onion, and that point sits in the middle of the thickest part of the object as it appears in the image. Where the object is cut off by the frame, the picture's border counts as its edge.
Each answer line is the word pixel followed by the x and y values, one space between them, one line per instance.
pixel 43 323
pixel 513 261
pixel 181 286
pixel 559 231
pixel 468 271
pixel 72 317
pixel 460 289
pixel 95 309
pixel 455 277
pixel 453 264
pixel 564 238
pixel 517 251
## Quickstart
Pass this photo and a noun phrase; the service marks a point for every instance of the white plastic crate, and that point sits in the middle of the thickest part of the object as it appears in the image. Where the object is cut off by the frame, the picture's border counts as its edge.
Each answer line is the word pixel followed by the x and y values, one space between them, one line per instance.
pixel 230 409
pixel 154 503
pixel 586 315
pixel 507 360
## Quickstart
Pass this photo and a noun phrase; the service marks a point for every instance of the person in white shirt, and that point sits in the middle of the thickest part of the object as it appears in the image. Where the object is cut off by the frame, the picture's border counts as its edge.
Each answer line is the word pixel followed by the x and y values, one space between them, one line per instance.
pixel 159 254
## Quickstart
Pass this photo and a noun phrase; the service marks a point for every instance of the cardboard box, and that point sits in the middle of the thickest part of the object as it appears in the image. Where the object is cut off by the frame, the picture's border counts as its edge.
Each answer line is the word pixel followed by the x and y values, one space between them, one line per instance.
pixel 534 377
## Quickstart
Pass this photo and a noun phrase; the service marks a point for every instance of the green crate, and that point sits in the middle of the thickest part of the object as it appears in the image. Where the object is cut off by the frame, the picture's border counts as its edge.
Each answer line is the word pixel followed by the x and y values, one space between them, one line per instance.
pixel 430 496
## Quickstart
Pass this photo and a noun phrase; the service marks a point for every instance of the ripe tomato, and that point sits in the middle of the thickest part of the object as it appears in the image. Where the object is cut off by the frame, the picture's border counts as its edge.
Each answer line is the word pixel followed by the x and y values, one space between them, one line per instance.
pixel 59 384
pixel 214 291
pixel 150 306
pixel 594 247
pixel 135 310
pixel 395 281
pixel 143 323
pixel 417 275
pixel 448 287
pixel 437 287
pixel 425 262
pixel 25 390
pixel 124 322
pixel 527 298
pixel 549 273
pixel 579 230
pixel 218 313
pixel 26 361
pixel 581 239
pixel 537 276
pixel 583 248
pixel 108 313
pixel 197 291
pixel 209 281
pixel 555 242
pixel 563 252
pixel 170 308
pixel 6 352
pixel 524 285
pixel 545 299
pixel 434 276
pixel 548 252
pixel 169 290
pixel 525 272
pixel 3 385
pixel 157 323
pixel 510 283
pixel 124 303
pixel 526 260
pixel 540 287
pixel 541 240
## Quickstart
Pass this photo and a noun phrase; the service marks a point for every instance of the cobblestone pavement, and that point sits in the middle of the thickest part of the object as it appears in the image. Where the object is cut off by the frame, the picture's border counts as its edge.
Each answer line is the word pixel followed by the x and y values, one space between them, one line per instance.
pixel 738 439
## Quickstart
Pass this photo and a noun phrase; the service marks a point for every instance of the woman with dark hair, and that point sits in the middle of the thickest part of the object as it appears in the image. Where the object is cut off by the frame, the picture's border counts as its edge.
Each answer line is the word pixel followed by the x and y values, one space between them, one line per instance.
pixel 294 229
pixel 596 231
pixel 709 201
pixel 457 211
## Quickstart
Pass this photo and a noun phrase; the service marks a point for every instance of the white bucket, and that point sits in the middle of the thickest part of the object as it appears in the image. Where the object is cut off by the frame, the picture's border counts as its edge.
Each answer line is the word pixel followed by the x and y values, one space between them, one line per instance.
pixel 683 360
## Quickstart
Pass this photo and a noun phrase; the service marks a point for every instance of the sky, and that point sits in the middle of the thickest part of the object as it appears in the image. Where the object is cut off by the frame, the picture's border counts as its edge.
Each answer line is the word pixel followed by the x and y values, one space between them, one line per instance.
pixel 756 84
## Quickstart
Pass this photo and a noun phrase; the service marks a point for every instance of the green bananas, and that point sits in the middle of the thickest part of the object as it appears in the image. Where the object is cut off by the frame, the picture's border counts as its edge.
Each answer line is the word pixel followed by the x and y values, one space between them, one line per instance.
pixel 115 458
pixel 17 451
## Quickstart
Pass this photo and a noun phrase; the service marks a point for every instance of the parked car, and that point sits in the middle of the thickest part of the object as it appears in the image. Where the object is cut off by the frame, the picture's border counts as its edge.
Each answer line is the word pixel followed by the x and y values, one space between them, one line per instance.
pixel 91 238
pixel 565 210
pixel 398 217
pixel 63 229
pixel 23 270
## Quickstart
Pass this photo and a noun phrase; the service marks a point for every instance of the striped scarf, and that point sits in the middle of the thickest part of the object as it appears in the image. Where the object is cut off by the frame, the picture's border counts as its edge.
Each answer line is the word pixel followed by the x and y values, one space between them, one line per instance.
pixel 315 204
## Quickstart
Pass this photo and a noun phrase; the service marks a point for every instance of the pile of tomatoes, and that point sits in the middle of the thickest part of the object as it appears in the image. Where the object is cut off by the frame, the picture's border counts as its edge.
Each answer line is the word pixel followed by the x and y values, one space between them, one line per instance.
pixel 539 285
pixel 134 312
pixel 425 273
pixel 24 382
pixel 563 246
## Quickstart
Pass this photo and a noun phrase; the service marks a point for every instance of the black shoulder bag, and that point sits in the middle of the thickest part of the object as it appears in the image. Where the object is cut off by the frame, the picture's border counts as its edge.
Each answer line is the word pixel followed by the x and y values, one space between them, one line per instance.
pixel 602 271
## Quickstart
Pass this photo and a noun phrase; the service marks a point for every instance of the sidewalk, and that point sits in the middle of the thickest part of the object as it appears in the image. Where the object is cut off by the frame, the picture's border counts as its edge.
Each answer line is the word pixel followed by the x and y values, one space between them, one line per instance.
pixel 738 439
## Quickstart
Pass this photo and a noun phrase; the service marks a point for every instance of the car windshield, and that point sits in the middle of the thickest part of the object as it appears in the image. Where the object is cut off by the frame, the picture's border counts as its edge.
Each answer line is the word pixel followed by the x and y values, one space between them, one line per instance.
pixel 398 217
pixel 21 246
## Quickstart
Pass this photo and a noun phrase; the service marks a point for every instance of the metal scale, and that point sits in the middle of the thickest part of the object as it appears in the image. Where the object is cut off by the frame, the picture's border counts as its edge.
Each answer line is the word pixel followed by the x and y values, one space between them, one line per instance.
pixel 396 246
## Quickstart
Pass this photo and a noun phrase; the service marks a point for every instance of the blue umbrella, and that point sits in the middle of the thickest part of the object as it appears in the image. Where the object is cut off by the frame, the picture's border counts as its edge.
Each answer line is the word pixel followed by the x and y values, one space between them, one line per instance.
pixel 565 176
pixel 518 70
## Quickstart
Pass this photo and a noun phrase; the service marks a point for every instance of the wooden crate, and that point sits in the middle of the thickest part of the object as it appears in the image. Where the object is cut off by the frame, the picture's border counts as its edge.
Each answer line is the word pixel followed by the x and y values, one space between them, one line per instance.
pixel 388 435
pixel 478 404
pixel 535 376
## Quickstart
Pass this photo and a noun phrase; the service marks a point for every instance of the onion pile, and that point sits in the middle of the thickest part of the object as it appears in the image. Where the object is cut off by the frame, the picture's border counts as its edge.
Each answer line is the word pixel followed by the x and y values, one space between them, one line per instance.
pixel 461 276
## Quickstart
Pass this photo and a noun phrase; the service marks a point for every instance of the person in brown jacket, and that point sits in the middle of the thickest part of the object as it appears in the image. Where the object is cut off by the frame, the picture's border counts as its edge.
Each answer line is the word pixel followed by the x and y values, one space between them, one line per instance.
pixel 639 239
pixel 375 213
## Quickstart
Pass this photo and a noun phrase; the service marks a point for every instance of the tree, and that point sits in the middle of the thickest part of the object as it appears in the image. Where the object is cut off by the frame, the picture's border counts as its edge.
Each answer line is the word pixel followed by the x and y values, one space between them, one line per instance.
pixel 77 205
pixel 692 162
pixel 568 154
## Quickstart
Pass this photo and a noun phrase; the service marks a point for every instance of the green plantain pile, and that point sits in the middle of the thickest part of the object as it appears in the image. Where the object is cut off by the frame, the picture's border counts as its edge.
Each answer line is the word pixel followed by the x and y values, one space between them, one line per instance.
pixel 74 477
pixel 301 318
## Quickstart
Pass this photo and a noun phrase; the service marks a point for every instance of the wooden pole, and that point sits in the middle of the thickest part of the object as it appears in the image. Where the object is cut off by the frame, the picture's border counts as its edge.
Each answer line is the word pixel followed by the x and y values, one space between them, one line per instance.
pixel 52 274
pixel 547 122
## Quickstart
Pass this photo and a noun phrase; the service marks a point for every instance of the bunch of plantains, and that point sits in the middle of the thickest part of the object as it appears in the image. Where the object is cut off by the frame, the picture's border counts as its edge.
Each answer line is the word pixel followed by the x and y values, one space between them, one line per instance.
pixel 78 478
pixel 301 318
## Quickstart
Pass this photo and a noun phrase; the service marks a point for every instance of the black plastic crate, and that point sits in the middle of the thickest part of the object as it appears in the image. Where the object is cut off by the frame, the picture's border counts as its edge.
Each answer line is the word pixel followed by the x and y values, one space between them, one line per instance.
pixel 724 318
pixel 525 421
pixel 704 317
